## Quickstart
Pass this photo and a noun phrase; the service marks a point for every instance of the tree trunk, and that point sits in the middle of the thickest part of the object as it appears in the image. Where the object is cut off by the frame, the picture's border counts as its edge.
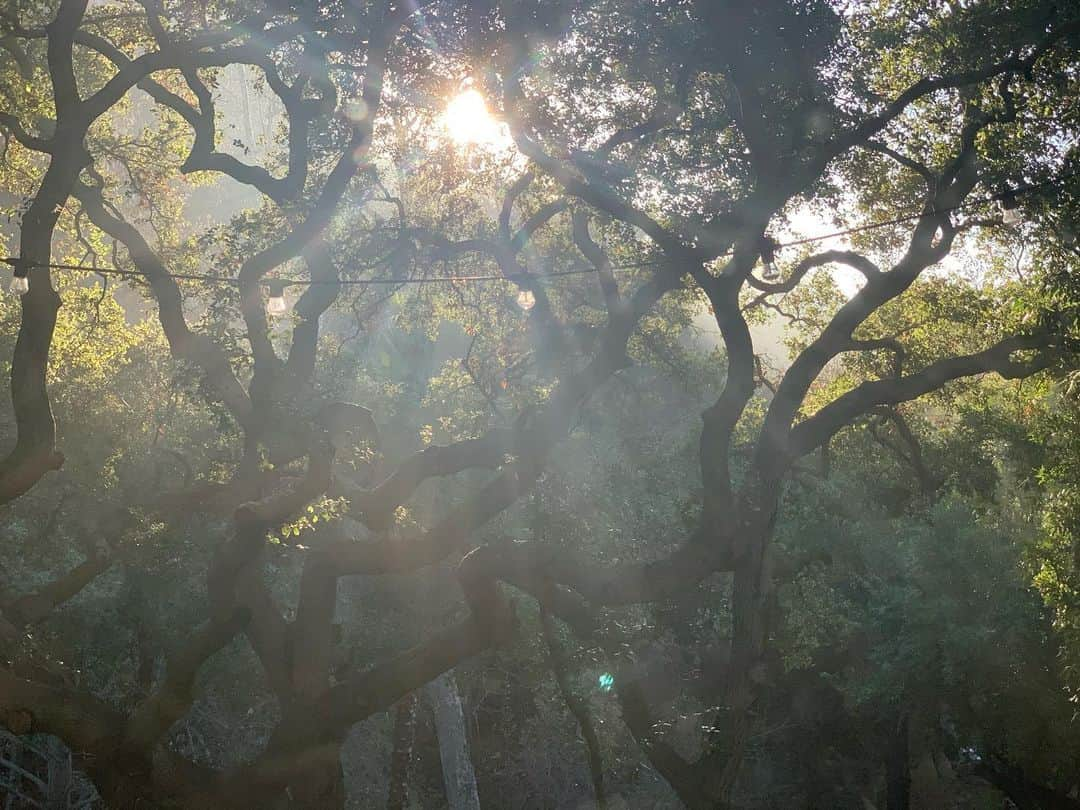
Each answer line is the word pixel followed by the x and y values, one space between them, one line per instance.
pixel 59 783
pixel 458 775
pixel 578 708
pixel 898 769
pixel 1023 792
pixel 402 754
pixel 321 787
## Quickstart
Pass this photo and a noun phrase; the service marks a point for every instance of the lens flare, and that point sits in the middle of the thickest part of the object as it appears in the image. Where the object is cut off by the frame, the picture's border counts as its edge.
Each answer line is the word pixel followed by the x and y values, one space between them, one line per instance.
pixel 468 121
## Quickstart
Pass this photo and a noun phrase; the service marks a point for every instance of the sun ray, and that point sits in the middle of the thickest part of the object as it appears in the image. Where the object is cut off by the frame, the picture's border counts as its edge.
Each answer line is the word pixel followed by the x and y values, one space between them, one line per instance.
pixel 469 122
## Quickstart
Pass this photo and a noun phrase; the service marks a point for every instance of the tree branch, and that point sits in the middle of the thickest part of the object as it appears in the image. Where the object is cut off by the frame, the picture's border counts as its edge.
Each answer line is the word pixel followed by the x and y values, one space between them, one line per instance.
pixel 153 718
pixel 184 344
pixel 819 428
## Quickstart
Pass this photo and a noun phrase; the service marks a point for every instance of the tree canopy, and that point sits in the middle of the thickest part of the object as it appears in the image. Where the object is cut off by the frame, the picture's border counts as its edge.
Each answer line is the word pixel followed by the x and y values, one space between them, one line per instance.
pixel 707 369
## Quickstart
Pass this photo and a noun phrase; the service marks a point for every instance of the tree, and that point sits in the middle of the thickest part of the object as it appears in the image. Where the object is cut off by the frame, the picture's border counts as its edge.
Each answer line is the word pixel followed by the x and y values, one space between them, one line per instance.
pixel 691 133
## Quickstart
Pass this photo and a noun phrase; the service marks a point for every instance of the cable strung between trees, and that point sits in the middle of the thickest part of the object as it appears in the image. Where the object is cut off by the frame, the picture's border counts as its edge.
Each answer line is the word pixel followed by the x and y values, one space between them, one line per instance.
pixel 1010 215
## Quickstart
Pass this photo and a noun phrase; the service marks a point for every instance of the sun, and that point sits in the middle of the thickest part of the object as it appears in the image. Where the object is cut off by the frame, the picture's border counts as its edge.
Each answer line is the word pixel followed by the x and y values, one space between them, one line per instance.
pixel 468 121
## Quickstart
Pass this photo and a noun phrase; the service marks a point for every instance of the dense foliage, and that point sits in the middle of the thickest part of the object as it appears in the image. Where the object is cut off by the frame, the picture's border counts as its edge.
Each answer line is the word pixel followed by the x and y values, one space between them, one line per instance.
pixel 685 525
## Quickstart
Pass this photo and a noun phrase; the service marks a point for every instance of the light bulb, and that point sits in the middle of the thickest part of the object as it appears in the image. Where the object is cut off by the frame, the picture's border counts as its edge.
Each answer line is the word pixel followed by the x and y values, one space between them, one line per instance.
pixel 1010 213
pixel 526 300
pixel 767 250
pixel 276 303
pixel 20 285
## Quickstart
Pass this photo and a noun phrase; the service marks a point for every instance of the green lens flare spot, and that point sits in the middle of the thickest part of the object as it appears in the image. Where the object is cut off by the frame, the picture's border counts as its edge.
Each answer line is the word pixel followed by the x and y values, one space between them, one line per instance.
pixel 606 681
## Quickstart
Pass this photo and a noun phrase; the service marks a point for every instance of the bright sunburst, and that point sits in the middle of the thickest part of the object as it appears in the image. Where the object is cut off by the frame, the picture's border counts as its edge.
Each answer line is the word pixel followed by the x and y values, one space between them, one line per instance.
pixel 468 121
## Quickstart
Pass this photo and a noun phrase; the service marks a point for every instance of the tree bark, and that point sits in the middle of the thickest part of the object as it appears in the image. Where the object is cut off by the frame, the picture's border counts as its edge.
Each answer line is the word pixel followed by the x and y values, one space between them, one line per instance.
pixel 402 755
pixel 898 769
pixel 1023 792
pixel 458 775
pixel 321 786
pixel 578 708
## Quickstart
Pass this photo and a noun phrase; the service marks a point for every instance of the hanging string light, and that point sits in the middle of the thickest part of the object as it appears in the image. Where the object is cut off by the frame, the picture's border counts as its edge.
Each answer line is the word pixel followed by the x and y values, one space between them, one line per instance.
pixel 275 302
pixel 768 259
pixel 1009 208
pixel 526 300
pixel 20 284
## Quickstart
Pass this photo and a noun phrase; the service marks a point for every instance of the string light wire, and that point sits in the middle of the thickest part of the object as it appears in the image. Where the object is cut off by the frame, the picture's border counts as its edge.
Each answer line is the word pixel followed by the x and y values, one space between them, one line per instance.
pixel 16 262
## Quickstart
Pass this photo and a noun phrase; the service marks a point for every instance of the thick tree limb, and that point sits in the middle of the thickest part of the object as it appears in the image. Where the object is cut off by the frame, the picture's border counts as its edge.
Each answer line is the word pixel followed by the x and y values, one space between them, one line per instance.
pixel 272 511
pixel 888 344
pixel 719 420
pixel 32 608
pixel 359 697
pixel 871 126
pixel 375 507
pixel 836 337
pixel 905 161
pixel 35 452
pixel 203 156
pixel 184 344
pixel 687 780
pixel 86 724
pixel 819 428
pixel 10 43
pixel 928 482
pixel 311 634
pixel 315 300
pixel 1023 792
pixel 153 718
pixel 596 256
pixel 15 127
pixel 854 260
pixel 577 706
pixel 325 205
